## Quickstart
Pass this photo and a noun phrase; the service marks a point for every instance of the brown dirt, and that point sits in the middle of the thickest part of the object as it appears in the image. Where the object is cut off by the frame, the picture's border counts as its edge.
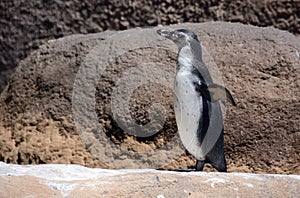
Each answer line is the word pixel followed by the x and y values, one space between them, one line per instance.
pixel 258 64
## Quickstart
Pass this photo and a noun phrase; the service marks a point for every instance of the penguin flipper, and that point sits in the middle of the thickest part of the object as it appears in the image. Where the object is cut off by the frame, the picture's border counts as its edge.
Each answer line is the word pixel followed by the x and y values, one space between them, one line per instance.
pixel 229 97
pixel 215 92
pixel 219 92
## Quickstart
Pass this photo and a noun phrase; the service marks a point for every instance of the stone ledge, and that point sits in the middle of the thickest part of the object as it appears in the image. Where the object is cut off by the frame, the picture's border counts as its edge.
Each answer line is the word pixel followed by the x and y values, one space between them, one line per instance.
pixel 77 181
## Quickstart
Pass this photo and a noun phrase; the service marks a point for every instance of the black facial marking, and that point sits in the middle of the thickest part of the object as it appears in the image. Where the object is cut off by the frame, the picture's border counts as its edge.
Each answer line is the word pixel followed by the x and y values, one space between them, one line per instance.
pixel 190 33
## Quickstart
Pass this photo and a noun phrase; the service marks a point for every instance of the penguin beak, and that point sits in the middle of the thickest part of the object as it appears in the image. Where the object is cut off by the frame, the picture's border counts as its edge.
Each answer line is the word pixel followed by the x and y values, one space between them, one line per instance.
pixel 165 33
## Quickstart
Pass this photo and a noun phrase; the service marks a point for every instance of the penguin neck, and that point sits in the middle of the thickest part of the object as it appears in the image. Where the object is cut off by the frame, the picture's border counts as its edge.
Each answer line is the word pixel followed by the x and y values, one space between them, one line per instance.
pixel 185 58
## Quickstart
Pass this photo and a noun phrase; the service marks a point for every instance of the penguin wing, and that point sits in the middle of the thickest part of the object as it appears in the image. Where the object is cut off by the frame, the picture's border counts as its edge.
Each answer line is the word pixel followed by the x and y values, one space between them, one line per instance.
pixel 211 92
pixel 215 92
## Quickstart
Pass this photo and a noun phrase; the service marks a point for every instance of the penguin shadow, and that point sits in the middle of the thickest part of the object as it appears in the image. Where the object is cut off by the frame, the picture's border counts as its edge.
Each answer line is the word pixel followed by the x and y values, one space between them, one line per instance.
pixel 181 170
pixel 186 170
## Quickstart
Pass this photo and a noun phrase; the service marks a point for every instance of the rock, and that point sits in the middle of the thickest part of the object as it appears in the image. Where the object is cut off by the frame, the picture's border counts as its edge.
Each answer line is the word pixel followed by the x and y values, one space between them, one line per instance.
pixel 76 100
pixel 78 181
pixel 26 25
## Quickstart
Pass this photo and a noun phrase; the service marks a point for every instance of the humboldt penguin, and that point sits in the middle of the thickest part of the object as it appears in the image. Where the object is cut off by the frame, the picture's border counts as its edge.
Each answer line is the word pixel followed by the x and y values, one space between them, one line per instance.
pixel 197 109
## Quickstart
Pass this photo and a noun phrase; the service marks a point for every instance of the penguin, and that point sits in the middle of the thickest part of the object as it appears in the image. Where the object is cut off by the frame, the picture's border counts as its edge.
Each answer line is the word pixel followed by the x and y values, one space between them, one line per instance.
pixel 197 109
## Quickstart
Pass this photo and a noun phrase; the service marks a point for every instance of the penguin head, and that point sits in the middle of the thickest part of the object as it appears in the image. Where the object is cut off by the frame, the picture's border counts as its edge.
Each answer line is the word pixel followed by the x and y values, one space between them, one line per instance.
pixel 180 37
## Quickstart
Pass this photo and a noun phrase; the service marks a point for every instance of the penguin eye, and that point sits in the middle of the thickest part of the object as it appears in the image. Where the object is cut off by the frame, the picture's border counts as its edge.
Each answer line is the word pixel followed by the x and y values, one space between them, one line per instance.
pixel 180 35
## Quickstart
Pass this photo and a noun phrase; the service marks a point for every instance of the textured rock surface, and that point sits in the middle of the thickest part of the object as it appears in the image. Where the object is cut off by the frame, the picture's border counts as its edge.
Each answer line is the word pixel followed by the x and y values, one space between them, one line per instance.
pixel 259 65
pixel 78 181
pixel 25 25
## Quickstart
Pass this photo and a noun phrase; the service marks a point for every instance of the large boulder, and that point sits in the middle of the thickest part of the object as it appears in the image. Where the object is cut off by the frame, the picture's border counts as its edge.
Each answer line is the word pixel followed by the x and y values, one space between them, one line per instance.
pixel 106 100
pixel 25 25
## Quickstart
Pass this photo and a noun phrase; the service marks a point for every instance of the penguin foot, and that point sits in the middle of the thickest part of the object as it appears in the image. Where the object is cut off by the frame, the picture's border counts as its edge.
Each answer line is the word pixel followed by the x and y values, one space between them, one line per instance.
pixel 223 169
pixel 200 165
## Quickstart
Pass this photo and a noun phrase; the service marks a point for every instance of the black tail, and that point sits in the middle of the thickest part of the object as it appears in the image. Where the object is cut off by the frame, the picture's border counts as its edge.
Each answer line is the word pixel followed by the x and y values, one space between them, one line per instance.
pixel 215 157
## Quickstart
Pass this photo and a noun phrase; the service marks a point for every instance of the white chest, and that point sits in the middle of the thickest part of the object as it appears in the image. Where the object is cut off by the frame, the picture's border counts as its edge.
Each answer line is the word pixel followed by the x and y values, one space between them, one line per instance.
pixel 188 110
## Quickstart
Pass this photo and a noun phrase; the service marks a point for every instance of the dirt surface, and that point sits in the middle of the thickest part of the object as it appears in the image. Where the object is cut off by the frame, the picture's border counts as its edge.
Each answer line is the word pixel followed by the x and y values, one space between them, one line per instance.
pixel 25 25
pixel 259 65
